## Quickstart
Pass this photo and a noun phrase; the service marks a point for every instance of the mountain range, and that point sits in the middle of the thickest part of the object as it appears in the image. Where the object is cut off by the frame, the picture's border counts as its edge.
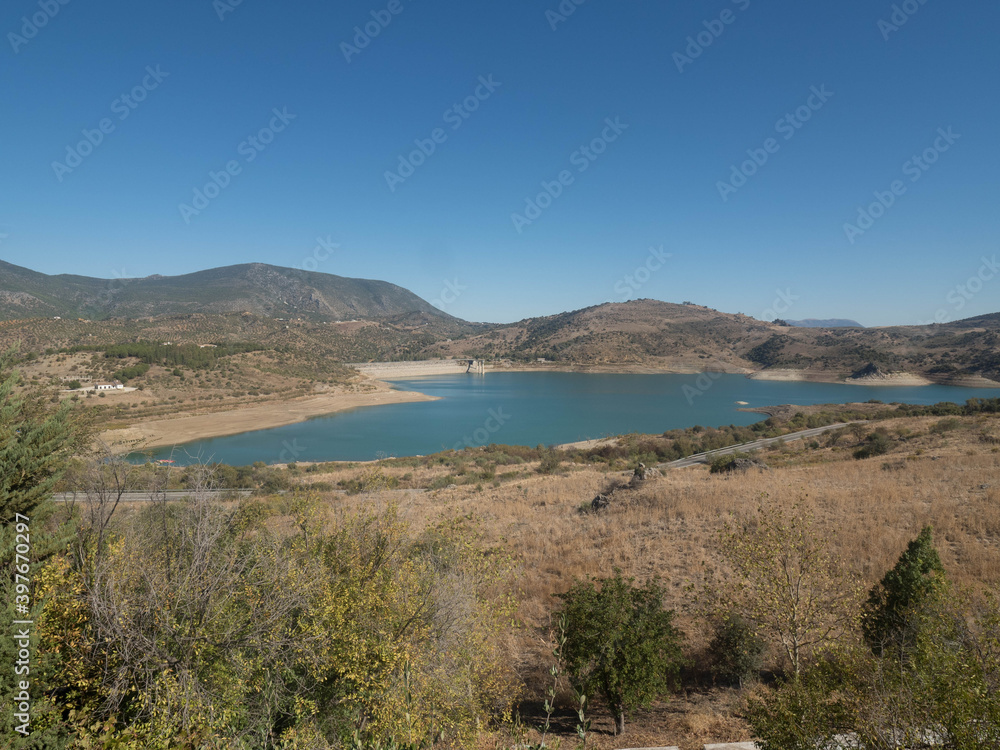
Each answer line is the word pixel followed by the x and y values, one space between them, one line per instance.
pixel 297 309
pixel 256 288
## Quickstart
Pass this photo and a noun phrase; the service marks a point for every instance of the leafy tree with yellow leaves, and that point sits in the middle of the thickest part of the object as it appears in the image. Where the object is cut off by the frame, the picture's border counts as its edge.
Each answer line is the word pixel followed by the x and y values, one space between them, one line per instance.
pixel 785 584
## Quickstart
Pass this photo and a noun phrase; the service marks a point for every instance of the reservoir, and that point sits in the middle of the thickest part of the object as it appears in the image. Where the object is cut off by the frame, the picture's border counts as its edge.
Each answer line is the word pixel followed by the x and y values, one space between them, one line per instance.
pixel 532 408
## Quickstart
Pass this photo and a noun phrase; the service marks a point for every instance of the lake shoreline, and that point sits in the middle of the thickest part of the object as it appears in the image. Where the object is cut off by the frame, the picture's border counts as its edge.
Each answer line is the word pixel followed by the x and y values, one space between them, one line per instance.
pixel 383 380
pixel 389 371
pixel 162 433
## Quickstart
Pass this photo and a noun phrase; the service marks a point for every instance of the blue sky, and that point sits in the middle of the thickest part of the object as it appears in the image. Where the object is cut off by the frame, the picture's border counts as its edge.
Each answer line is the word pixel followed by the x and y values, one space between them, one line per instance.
pixel 748 206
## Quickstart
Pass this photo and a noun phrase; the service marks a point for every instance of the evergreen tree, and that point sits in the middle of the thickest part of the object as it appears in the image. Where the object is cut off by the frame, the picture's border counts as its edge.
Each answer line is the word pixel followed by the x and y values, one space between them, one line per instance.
pixel 33 444
pixel 893 611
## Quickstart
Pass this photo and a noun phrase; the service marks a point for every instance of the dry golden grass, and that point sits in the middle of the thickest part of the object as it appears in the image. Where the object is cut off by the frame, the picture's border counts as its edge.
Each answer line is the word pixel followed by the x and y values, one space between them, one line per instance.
pixel 669 528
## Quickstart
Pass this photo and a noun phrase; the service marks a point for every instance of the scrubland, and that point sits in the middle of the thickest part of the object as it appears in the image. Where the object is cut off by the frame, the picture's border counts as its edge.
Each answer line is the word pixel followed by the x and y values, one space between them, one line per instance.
pixel 526 516
pixel 939 472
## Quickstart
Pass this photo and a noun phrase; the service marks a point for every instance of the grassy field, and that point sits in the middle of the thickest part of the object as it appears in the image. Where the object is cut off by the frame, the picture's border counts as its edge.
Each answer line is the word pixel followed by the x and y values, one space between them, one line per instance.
pixel 939 471
pixel 535 504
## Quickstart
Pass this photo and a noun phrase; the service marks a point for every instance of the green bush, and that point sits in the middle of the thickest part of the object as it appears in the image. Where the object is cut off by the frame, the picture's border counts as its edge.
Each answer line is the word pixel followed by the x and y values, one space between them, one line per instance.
pixel 895 605
pixel 550 463
pixel 721 464
pixel 736 650
pixel 620 642
pixel 442 482
pixel 945 425
pixel 876 444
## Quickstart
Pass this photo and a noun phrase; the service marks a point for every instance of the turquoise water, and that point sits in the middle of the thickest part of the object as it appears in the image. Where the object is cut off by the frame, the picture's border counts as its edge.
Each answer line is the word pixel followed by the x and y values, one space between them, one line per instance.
pixel 531 408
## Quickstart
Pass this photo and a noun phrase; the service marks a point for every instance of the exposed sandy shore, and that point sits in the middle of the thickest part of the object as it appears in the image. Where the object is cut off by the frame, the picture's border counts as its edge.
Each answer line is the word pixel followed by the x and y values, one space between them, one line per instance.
pixel 165 432
pixel 892 378
pixel 587 444
pixel 971 381
pixel 390 370
pixel 789 376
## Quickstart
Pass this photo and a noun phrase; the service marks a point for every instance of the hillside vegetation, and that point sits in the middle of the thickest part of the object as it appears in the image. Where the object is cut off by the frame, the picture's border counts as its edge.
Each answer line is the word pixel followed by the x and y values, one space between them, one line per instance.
pixel 349 612
pixel 693 338
pixel 374 320
pixel 256 288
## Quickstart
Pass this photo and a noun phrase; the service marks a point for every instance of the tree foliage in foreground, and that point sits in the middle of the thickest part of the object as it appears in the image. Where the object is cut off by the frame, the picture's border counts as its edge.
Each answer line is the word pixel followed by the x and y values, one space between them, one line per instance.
pixel 207 625
pixel 941 688
pixel 893 611
pixel 785 584
pixel 620 643
pixel 33 445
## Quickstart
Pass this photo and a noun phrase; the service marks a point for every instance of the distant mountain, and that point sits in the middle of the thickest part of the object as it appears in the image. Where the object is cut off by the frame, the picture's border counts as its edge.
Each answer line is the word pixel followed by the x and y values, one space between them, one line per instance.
pixel 829 323
pixel 661 335
pixel 256 288
pixel 641 332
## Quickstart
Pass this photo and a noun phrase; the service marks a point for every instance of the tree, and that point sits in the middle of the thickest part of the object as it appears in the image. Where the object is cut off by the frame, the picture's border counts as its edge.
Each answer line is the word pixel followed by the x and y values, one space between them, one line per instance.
pixel 32 446
pixel 786 585
pixel 737 651
pixel 946 686
pixel 620 642
pixel 892 612
pixel 876 444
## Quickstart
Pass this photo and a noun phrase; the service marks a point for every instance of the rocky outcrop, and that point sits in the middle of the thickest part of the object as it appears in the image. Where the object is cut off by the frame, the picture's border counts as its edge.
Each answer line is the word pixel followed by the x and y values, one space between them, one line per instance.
pixel 872 374
pixel 743 465
pixel 642 474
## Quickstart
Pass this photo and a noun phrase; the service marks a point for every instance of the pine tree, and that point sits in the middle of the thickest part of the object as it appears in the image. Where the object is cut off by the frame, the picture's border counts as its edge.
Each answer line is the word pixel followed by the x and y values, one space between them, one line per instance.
pixel 893 612
pixel 32 447
pixel 33 444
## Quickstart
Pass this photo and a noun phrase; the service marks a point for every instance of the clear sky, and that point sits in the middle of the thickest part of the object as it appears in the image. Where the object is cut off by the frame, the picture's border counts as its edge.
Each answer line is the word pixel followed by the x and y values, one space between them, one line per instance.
pixel 700 157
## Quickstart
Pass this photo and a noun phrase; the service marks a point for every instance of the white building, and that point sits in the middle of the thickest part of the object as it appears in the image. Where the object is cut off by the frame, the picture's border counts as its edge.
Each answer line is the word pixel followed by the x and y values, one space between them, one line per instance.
pixel 114 385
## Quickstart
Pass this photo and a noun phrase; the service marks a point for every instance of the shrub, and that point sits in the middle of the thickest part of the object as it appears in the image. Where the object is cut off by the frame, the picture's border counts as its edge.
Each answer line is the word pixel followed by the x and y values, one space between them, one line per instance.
pixel 895 603
pixel 620 642
pixel 127 373
pixel 945 425
pixel 737 651
pixel 441 482
pixel 550 463
pixel 721 464
pixel 876 444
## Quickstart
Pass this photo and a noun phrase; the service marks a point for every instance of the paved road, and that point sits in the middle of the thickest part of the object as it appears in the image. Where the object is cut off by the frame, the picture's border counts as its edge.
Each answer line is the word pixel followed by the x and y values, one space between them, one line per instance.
pixel 140 497
pixel 706 458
